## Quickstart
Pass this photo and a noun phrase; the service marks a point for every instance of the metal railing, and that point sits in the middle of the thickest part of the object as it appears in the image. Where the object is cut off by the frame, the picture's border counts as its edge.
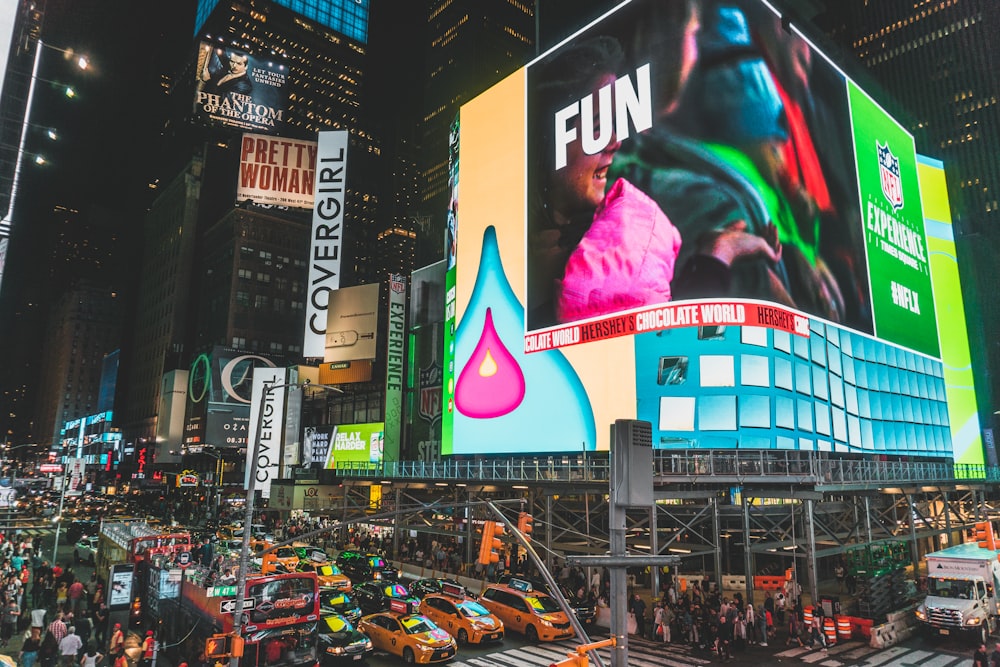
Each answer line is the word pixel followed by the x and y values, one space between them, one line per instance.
pixel 672 466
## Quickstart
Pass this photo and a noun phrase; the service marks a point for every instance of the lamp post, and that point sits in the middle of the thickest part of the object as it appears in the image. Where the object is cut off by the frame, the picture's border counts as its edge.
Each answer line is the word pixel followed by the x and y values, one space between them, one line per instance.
pixel 241 577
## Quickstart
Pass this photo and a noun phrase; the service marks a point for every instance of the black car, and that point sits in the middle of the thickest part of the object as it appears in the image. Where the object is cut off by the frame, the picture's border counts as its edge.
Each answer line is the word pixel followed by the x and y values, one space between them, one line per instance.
pixel 333 601
pixel 366 567
pixel 339 640
pixel 584 609
pixel 375 596
pixel 422 587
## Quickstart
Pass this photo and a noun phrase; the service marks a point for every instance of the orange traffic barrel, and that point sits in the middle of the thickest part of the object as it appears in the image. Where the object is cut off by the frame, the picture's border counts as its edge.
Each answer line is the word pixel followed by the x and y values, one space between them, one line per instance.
pixel 788 574
pixel 830 631
pixel 844 628
pixel 807 616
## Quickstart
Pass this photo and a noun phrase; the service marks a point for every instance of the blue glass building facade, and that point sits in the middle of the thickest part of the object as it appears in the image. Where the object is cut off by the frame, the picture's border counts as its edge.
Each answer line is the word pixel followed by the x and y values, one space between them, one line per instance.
pixel 348 17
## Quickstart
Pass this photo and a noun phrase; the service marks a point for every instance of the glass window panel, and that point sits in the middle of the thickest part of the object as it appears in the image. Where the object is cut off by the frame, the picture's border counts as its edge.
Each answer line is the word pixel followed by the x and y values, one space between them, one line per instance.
pixel 864 407
pixel 833 354
pixel 839 425
pixel 820 383
pixel 783 374
pixel 824 446
pixel 867 438
pixel 853 431
pixel 755 411
pixel 717 371
pixel 876 405
pixel 802 380
pixel 817 328
pixel 754 336
pixel 848 365
pixel 784 443
pixel 890 356
pixel 755 370
pixel 784 412
pixel 833 335
pixel 717 413
pixel 677 413
pixel 847 344
pixel 822 413
pixel 907 405
pixel 851 399
pixel 897 408
pixel 894 384
pixel 817 350
pixel 804 408
pixel 806 444
pixel 861 374
pixel 879 355
pixel 883 378
pixel 801 346
pixel 836 391
pixel 782 341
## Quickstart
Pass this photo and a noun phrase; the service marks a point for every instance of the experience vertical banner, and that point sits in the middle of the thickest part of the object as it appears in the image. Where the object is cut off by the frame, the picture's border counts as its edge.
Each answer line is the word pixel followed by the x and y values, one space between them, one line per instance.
pixel 327 236
pixel 898 261
pixel 396 349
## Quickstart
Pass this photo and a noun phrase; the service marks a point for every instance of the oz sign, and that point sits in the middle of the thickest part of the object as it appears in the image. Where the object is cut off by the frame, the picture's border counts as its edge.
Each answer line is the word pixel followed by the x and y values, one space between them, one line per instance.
pixel 229 606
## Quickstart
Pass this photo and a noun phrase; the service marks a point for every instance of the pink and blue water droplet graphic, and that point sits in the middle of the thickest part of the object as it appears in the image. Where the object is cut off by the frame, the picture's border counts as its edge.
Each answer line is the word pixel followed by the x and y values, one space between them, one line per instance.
pixel 508 401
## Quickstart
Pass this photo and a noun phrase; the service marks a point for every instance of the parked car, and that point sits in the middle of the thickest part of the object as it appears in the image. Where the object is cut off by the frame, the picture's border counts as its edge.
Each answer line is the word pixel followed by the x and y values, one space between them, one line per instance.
pixel 413 637
pixel 584 609
pixel 333 601
pixel 366 567
pixel 422 587
pixel 375 596
pixel 339 640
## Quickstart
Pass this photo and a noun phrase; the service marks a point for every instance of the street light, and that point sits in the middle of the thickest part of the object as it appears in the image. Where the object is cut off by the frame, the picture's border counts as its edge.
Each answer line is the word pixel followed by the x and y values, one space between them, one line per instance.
pixel 241 578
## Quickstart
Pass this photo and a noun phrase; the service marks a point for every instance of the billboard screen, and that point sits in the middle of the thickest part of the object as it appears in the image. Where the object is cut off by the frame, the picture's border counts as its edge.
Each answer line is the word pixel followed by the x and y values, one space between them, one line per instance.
pixel 667 209
pixel 348 444
pixel 351 323
pixel 238 90
pixel 277 171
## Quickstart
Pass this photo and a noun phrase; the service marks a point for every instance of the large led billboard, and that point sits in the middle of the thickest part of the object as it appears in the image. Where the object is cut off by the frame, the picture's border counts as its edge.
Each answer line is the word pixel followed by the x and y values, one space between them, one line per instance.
pixel 236 89
pixel 276 171
pixel 655 194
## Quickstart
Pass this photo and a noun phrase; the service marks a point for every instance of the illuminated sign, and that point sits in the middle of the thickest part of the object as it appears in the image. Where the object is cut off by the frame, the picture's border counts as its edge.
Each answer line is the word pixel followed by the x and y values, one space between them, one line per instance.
pixel 735 251
pixel 353 444
pixel 327 236
pixel 238 90
pixel 276 171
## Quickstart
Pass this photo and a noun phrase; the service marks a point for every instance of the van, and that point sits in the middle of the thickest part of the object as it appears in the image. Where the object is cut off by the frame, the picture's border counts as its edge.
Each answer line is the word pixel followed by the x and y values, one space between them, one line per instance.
pixel 532 613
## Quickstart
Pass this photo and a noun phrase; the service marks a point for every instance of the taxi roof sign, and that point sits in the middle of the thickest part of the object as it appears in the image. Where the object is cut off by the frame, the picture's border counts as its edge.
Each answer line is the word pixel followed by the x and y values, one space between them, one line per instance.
pixel 520 585
pixel 454 590
pixel 400 606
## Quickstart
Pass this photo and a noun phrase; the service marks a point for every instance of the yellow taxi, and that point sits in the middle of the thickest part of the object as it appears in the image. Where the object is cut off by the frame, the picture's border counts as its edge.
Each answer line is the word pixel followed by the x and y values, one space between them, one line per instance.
pixel 532 613
pixel 465 619
pixel 328 574
pixel 413 637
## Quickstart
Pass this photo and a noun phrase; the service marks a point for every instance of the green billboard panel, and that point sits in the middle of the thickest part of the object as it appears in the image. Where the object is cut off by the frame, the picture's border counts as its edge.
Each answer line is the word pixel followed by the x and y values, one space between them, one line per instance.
pixel 898 262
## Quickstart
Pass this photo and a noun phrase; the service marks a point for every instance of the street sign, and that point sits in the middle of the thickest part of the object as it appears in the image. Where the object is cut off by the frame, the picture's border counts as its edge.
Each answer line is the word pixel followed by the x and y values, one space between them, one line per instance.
pixel 184 558
pixel 229 606
pixel 222 592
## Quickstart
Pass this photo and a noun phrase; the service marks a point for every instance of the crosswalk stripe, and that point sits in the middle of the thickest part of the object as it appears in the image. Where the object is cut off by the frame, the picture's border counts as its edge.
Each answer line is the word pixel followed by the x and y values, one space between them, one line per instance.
pixel 517 657
pixel 913 658
pixel 942 660
pixel 815 656
pixel 885 656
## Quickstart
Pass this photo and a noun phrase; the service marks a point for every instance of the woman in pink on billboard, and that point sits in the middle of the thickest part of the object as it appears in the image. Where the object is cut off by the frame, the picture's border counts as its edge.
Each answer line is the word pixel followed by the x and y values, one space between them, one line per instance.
pixel 596 250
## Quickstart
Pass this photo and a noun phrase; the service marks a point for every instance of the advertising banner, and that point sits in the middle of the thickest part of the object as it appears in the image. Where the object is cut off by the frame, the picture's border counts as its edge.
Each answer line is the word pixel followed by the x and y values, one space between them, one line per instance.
pixel 120 595
pixel 395 357
pixel 351 324
pixel 277 171
pixel 327 236
pixel 355 444
pixel 267 425
pixel 696 221
pixel 238 90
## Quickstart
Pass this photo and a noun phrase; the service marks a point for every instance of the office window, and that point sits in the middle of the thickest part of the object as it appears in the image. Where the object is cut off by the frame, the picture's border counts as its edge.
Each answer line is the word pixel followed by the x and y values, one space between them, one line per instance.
pixel 804 408
pixel 676 413
pixel 756 336
pixel 717 413
pixel 755 411
pixel 784 412
pixel 755 371
pixel 822 412
pixel 782 341
pixel 803 383
pixel 783 374
pixel 717 371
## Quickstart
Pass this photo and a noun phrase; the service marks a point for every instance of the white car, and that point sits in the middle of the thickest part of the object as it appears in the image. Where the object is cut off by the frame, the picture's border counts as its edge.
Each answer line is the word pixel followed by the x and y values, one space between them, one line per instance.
pixel 87 548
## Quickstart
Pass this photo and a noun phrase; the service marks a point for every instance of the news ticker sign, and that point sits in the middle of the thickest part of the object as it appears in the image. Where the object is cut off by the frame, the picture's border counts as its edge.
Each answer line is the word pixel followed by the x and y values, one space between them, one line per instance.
pixel 670 316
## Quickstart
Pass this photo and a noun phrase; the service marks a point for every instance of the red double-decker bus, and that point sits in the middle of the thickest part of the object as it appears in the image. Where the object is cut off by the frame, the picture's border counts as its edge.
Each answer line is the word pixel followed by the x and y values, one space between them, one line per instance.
pixel 279 626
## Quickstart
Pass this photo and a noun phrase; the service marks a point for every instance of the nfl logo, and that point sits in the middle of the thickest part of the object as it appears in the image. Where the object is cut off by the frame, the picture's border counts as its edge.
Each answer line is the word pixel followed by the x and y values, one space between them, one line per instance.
pixel 888 168
pixel 397 283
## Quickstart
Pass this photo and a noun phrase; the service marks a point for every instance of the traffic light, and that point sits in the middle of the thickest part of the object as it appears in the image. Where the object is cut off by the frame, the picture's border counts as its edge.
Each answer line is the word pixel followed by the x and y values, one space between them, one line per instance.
pixel 224 646
pixel 524 521
pixel 984 535
pixel 492 531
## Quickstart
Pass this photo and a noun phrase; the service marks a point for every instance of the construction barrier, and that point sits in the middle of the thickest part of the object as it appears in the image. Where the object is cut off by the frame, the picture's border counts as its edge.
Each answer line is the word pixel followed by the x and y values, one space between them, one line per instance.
pixel 768 583
pixel 830 631
pixel 844 629
pixel 734 582
pixel 861 627
pixel 807 616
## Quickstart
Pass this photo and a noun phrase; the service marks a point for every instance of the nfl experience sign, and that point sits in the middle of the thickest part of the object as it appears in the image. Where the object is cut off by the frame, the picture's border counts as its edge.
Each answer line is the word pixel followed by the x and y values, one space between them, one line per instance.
pixel 898 262
pixel 396 340
pixel 327 237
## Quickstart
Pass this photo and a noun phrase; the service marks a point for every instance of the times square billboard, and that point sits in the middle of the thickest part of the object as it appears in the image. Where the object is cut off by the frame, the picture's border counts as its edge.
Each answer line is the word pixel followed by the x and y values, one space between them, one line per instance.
pixel 697 220
pixel 239 90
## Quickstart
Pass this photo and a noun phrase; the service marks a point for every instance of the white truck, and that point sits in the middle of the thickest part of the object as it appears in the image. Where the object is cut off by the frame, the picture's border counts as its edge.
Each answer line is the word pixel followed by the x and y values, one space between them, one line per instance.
pixel 962 584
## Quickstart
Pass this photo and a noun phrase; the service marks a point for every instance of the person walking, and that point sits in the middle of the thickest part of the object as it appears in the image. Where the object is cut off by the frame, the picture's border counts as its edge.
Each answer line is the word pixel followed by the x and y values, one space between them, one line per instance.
pixel 11 614
pixel 29 649
pixel 69 647
pixel 638 608
pixel 116 646
pixel 981 659
pixel 91 657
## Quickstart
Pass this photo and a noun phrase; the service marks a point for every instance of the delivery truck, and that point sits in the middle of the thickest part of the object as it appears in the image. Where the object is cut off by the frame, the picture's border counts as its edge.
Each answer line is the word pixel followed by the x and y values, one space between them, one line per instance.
pixel 962 586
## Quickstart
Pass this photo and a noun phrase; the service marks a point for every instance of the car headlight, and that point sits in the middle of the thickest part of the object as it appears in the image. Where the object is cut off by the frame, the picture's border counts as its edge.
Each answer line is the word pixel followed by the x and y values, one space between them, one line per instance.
pixel 424 648
pixel 921 614
pixel 973 621
pixel 335 650
pixel 547 623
